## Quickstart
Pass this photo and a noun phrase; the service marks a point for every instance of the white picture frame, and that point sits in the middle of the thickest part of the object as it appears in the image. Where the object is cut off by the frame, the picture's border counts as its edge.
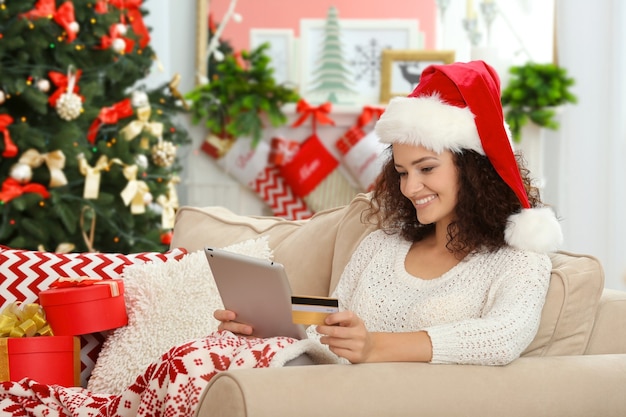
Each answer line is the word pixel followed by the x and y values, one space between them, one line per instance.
pixel 282 52
pixel 362 41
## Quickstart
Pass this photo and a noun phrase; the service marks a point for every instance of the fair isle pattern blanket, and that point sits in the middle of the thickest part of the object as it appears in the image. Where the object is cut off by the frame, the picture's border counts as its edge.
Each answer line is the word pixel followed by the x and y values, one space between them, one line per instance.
pixel 169 387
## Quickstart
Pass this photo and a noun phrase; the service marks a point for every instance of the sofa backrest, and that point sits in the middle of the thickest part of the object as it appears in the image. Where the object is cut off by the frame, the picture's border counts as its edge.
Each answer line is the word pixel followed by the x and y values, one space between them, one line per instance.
pixel 315 252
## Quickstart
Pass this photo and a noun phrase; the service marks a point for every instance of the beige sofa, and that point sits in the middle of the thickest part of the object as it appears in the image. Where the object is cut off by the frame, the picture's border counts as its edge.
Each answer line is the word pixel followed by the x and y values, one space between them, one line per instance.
pixel 576 366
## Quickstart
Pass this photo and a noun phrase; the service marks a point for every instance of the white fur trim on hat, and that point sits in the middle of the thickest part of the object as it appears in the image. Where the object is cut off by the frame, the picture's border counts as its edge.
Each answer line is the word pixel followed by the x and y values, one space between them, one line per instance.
pixel 535 229
pixel 430 122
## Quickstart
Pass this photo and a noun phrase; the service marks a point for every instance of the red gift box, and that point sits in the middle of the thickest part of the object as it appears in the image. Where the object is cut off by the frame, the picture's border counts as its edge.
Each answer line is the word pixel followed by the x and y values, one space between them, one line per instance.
pixel 46 359
pixel 83 309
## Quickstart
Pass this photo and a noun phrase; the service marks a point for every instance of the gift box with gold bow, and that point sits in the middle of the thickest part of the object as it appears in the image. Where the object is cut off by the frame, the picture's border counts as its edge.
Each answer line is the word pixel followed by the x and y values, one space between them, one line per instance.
pixel 77 306
pixel 29 350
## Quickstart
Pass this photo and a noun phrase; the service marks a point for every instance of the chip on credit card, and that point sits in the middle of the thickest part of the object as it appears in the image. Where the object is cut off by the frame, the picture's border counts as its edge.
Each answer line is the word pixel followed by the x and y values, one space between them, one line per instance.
pixel 312 310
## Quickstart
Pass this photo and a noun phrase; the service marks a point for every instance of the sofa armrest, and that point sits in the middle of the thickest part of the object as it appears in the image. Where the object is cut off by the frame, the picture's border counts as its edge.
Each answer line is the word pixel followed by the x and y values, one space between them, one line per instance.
pixel 568 386
pixel 609 328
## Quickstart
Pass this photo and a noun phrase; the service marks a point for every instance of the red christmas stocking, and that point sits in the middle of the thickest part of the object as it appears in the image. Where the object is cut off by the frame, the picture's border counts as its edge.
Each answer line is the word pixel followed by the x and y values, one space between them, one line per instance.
pixel 314 176
pixel 361 153
pixel 251 168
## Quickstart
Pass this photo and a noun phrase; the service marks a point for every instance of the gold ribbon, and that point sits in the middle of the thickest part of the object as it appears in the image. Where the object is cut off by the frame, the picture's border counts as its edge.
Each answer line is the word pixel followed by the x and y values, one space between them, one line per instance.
pixel 134 192
pixel 92 229
pixel 64 247
pixel 113 286
pixel 55 161
pixel 169 204
pixel 142 123
pixel 173 86
pixel 92 175
pixel 5 374
pixel 23 320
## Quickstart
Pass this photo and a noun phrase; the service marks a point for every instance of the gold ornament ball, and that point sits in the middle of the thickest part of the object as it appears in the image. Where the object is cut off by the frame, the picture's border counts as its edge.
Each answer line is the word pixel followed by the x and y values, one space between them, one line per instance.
pixel 69 106
pixel 163 154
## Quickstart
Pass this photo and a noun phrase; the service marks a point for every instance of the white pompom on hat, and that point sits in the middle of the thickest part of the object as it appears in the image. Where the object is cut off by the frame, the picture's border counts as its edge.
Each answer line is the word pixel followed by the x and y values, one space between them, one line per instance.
pixel 457 107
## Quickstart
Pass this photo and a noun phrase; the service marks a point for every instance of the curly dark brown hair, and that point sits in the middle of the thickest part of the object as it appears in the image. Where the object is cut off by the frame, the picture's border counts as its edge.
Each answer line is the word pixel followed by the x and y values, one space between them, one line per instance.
pixel 485 203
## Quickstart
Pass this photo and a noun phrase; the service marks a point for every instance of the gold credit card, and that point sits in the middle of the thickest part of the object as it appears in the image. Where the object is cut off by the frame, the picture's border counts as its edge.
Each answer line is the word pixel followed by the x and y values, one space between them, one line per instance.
pixel 312 310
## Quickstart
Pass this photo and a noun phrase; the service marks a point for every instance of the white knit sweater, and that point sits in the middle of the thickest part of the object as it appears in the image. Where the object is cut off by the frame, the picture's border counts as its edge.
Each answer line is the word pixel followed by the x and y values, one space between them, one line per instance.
pixel 485 310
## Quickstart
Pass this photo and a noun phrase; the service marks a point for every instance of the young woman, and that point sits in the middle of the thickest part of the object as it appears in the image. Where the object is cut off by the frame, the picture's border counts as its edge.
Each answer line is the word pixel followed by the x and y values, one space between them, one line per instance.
pixel 458 271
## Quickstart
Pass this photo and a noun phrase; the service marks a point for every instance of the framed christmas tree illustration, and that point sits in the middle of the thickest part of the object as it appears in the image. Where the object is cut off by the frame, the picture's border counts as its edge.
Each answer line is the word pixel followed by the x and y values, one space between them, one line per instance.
pixel 340 58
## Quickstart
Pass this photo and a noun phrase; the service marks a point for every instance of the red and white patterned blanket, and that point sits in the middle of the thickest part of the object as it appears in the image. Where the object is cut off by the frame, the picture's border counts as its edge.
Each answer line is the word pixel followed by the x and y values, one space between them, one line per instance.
pixel 169 387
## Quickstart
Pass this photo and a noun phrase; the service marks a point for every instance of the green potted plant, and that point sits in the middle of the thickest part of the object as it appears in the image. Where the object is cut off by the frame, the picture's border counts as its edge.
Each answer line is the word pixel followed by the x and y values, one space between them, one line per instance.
pixel 533 93
pixel 240 95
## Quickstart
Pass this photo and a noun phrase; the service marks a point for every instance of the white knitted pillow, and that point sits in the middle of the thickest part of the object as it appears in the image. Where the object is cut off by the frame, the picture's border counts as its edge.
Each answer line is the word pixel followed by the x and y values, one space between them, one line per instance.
pixel 167 303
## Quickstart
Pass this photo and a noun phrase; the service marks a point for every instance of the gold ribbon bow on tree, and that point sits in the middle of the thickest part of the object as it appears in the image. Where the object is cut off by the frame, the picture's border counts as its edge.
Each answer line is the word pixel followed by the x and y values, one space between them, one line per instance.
pixel 134 192
pixel 169 204
pixel 92 175
pixel 55 161
pixel 134 128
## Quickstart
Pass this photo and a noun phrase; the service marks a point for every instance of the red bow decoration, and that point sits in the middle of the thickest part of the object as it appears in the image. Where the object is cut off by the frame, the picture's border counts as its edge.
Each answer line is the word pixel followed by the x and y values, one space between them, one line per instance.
pixel 135 17
pixel 11 188
pixel 101 7
pixel 61 81
pixel 65 282
pixel 64 15
pixel 318 114
pixel 107 41
pixel 109 115
pixel 10 150
pixel 368 114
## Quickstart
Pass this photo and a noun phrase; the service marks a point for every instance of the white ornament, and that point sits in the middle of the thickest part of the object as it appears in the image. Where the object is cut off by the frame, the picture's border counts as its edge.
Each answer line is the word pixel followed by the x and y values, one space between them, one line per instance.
pixel 147 198
pixel 118 45
pixel 121 29
pixel 139 99
pixel 69 106
pixel 237 18
pixel 141 161
pixel 74 27
pixel 218 55
pixel 155 208
pixel 43 85
pixel 3 98
pixel 21 173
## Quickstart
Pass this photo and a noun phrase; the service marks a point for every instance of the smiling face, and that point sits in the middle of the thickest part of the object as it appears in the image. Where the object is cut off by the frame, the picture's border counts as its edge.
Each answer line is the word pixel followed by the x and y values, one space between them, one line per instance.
pixel 429 180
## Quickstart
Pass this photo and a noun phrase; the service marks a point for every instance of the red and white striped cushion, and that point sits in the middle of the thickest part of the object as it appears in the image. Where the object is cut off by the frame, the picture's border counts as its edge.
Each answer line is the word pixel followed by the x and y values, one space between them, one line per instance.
pixel 24 273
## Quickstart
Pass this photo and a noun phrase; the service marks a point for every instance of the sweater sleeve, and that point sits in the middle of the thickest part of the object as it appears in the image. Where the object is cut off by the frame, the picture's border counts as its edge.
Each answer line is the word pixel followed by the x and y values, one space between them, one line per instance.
pixel 509 321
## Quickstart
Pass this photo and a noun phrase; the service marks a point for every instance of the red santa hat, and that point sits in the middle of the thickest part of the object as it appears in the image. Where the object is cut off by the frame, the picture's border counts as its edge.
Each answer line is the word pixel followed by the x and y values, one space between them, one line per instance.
pixel 457 107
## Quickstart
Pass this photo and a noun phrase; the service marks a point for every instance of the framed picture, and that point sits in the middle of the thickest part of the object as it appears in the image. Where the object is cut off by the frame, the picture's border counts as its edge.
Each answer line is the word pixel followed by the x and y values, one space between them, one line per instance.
pixel 282 52
pixel 401 69
pixel 341 58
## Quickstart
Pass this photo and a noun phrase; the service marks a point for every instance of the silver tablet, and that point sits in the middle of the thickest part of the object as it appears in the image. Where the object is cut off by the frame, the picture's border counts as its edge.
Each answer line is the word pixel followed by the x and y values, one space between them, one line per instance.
pixel 257 291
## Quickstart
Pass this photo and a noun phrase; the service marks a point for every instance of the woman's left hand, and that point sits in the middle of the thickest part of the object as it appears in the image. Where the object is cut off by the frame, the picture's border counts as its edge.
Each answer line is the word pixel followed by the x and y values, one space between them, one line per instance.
pixel 346 336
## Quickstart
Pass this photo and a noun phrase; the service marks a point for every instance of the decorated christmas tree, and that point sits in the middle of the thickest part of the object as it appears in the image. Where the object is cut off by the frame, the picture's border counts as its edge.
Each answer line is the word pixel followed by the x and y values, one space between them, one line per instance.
pixel 87 152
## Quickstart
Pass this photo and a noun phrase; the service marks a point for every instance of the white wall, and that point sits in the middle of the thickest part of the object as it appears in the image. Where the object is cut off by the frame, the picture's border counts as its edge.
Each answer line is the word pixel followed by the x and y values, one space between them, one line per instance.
pixel 585 160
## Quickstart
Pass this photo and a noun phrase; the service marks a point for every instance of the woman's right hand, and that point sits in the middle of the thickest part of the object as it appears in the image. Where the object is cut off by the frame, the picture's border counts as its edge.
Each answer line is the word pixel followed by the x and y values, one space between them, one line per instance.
pixel 227 322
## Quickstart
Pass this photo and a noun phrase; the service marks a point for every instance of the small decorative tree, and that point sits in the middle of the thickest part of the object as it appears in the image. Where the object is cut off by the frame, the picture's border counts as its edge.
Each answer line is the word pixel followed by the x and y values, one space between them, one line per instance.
pixel 532 93
pixel 240 90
